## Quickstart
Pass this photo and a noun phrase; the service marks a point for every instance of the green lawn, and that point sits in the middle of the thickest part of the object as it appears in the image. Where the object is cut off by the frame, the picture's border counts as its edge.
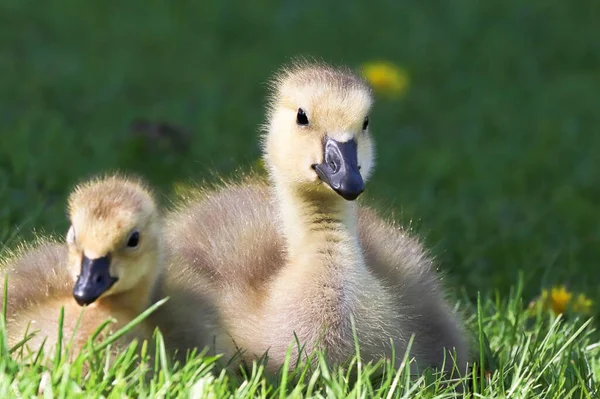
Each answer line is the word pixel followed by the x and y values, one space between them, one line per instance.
pixel 492 154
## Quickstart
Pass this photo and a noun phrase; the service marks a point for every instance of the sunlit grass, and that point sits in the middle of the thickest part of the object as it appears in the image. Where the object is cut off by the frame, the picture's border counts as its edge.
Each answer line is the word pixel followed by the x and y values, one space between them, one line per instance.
pixel 524 356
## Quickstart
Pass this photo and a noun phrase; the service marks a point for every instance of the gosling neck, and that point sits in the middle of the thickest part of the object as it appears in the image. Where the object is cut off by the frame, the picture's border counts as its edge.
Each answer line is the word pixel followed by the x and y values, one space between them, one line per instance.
pixel 318 222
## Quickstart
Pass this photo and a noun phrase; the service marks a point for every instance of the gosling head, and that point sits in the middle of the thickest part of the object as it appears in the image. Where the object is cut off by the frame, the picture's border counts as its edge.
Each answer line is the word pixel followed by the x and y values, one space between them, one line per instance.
pixel 317 136
pixel 113 239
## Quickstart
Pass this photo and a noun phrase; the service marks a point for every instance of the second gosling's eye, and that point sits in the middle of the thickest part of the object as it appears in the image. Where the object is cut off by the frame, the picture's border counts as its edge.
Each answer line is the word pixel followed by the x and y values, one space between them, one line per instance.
pixel 301 118
pixel 366 123
pixel 134 240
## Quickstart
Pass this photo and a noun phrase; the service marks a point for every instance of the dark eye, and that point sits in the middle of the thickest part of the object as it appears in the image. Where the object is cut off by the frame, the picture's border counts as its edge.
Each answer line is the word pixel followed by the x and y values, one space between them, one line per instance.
pixel 366 123
pixel 134 240
pixel 301 118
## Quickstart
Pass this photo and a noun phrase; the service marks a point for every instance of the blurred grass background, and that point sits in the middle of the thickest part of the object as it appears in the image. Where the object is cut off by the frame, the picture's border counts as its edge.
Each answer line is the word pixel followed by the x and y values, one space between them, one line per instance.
pixel 492 154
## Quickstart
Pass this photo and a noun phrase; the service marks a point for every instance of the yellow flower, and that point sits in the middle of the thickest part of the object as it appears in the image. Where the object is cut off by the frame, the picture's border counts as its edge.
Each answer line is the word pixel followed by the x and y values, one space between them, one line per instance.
pixel 260 164
pixel 186 191
pixel 559 299
pixel 386 78
pixel 583 304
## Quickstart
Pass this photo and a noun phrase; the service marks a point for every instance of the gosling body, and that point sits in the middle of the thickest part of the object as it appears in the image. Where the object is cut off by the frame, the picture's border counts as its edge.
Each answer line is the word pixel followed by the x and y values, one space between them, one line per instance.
pixel 298 258
pixel 115 263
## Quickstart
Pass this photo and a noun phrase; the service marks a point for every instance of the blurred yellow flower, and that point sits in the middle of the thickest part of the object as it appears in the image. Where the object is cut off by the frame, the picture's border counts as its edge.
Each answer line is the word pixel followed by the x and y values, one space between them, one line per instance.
pixel 186 191
pixel 559 300
pixel 181 189
pixel 583 304
pixel 386 78
pixel 260 164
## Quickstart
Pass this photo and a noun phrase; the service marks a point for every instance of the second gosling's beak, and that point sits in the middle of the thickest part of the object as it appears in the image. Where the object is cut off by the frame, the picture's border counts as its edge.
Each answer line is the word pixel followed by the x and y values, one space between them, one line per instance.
pixel 93 281
pixel 340 168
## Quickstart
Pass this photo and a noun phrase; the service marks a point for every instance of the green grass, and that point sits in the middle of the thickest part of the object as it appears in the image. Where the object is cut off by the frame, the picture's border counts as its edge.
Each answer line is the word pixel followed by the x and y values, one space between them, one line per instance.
pixel 492 155
pixel 532 357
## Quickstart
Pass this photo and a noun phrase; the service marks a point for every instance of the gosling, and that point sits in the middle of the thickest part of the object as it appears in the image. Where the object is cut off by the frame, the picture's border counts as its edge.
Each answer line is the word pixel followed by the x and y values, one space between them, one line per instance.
pixel 298 259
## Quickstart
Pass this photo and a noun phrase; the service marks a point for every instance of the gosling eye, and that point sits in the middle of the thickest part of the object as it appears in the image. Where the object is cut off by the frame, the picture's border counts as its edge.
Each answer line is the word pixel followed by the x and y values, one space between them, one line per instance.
pixel 71 236
pixel 366 123
pixel 301 118
pixel 134 240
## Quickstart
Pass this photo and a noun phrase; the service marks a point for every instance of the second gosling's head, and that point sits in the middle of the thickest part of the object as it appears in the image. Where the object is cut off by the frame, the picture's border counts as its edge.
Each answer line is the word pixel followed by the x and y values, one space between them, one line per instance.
pixel 113 239
pixel 318 130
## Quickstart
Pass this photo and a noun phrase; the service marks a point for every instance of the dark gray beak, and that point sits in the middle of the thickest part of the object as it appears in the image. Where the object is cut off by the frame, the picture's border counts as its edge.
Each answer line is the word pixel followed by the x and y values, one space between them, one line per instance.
pixel 340 168
pixel 93 281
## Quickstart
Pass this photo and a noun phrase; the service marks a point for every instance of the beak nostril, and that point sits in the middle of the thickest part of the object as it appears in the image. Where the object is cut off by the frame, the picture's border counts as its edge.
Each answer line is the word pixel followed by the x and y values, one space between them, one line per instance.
pixel 340 168
pixel 94 280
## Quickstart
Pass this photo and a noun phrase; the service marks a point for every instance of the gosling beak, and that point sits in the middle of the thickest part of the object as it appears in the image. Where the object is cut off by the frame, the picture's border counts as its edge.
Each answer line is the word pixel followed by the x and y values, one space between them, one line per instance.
pixel 340 168
pixel 93 281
